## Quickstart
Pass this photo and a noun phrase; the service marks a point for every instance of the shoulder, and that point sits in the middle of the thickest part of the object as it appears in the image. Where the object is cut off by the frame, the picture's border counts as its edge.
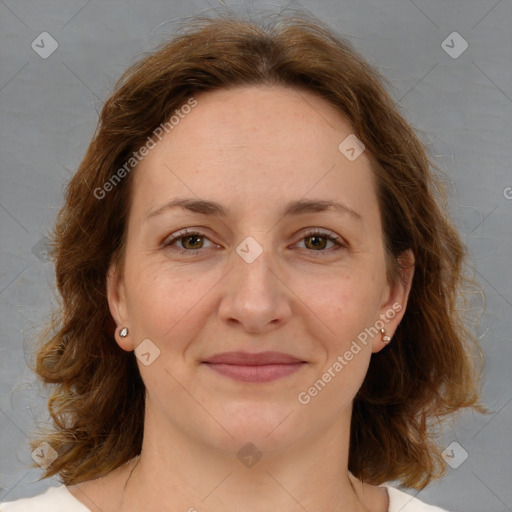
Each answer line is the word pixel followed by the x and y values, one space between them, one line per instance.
pixel 400 501
pixel 54 499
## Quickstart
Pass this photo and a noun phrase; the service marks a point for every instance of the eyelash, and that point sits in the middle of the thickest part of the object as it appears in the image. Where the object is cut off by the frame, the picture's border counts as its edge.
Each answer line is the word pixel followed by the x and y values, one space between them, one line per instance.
pixel 189 233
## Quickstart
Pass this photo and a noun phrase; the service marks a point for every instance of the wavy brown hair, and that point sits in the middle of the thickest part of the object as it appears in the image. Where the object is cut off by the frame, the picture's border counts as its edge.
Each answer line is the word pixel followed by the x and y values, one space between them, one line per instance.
pixel 429 371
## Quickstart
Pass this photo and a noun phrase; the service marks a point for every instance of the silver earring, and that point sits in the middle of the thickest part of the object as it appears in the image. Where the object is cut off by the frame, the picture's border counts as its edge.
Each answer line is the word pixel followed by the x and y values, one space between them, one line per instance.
pixel 123 332
pixel 385 338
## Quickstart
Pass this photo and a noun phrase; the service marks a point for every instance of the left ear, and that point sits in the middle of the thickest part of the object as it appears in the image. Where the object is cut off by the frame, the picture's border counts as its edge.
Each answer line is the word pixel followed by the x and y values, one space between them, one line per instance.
pixel 395 298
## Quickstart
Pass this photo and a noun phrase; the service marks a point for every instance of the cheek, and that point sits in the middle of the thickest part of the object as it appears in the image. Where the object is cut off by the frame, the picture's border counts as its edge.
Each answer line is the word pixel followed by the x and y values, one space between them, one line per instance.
pixel 349 306
pixel 162 303
pixel 349 311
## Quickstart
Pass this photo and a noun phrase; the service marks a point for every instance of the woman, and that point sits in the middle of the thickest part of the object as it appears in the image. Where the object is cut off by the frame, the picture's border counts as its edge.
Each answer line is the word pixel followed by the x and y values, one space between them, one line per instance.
pixel 259 285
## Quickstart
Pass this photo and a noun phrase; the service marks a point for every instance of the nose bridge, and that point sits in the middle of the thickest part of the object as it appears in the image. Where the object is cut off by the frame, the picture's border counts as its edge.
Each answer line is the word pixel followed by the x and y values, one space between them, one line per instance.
pixel 254 296
pixel 254 262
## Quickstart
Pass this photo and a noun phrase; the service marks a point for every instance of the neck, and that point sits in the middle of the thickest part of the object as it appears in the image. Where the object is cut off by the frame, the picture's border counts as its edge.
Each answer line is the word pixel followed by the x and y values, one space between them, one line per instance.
pixel 191 477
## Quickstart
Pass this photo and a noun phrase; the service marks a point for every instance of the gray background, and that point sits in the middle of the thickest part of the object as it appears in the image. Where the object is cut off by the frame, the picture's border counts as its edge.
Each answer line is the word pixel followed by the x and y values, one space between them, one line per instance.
pixel 461 108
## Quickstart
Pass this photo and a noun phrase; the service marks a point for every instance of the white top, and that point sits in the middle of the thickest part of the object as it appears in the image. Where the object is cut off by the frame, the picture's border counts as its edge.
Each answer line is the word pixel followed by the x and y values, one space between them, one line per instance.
pixel 59 499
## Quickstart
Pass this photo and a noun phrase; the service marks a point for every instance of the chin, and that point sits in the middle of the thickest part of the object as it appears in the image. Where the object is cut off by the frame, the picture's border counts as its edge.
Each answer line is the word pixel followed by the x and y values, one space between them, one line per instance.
pixel 269 427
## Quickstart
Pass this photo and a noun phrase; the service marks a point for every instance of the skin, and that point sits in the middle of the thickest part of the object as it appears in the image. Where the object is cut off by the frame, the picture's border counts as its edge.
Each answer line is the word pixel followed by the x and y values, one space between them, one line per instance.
pixel 252 149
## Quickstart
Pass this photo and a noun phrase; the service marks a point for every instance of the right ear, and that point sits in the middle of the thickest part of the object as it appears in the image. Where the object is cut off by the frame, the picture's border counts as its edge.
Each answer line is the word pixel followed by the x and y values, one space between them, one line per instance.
pixel 116 296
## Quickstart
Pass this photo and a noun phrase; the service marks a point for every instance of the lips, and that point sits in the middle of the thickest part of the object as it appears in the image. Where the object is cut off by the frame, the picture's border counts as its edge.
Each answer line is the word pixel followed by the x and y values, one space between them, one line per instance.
pixel 256 359
pixel 259 367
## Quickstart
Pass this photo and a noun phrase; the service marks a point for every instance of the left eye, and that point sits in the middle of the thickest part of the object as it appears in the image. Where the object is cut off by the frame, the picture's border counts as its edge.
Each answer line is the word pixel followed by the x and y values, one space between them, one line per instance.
pixel 317 236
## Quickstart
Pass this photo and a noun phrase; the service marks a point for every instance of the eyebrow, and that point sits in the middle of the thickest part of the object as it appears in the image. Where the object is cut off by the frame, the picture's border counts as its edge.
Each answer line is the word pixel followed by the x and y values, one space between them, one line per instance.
pixel 293 208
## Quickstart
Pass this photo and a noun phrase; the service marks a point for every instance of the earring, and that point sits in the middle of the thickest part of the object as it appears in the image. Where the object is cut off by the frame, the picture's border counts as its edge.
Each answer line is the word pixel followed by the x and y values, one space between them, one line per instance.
pixel 385 338
pixel 123 332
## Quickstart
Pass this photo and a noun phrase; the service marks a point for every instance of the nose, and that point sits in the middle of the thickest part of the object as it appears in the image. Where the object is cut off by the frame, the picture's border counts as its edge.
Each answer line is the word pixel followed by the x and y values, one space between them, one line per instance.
pixel 255 296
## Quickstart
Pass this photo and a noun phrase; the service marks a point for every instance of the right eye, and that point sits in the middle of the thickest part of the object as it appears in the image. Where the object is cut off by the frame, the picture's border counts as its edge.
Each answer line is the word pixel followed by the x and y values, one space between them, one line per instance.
pixel 187 236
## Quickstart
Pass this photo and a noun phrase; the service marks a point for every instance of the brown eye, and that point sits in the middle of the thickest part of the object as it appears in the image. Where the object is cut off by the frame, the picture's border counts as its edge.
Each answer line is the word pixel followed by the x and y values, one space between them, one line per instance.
pixel 317 241
pixel 190 241
pixel 194 242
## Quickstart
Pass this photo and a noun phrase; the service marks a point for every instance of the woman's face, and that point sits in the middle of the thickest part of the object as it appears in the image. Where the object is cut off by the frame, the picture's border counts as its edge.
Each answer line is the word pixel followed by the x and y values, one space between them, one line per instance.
pixel 254 279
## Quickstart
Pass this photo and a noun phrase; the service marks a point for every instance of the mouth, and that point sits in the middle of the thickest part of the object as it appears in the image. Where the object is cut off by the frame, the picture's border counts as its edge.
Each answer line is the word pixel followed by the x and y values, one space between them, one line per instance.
pixel 260 367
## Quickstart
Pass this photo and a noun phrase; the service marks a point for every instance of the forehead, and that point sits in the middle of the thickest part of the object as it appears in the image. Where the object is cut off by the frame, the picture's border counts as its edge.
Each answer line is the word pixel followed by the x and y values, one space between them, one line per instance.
pixel 276 116
pixel 261 143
